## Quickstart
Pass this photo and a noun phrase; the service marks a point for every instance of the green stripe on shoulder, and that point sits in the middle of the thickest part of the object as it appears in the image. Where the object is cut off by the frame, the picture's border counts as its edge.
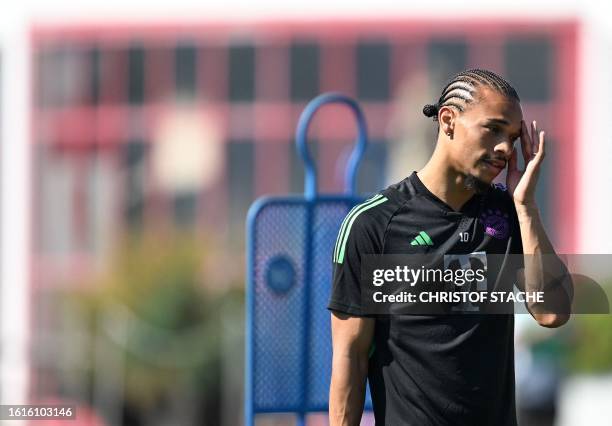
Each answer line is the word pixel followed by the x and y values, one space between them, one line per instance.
pixel 347 219
pixel 347 231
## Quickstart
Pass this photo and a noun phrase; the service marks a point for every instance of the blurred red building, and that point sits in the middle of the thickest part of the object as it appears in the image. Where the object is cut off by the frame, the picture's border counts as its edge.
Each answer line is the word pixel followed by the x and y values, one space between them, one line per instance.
pixel 106 96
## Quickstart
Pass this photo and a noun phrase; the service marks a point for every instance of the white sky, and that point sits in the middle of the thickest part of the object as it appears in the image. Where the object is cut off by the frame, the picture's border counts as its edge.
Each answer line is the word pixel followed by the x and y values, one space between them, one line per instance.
pixel 142 10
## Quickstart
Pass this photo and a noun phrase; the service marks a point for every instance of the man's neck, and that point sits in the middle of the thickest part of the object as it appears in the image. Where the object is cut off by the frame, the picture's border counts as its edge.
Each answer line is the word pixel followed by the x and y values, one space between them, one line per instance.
pixel 445 183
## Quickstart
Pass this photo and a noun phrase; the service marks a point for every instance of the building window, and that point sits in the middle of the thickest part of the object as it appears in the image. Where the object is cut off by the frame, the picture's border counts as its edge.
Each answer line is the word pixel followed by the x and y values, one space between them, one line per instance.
pixel 62 75
pixel 446 58
pixel 373 70
pixel 532 82
pixel 95 75
pixel 185 66
pixel 304 64
pixel 241 73
pixel 136 74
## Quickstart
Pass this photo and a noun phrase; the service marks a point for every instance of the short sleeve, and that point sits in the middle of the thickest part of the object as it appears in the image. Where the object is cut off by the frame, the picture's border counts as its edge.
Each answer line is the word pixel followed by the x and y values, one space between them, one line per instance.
pixel 352 244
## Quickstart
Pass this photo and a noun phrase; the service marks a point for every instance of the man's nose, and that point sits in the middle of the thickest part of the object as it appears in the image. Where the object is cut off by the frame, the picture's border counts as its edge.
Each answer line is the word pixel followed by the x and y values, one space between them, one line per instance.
pixel 504 148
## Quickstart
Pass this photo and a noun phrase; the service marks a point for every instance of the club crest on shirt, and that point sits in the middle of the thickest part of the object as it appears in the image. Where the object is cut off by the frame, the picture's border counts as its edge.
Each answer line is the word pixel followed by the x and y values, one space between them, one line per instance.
pixel 500 186
pixel 496 223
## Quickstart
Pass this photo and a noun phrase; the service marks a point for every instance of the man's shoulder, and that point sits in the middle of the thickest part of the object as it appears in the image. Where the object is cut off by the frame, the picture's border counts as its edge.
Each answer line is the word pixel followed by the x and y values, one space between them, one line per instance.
pixel 374 210
pixel 364 225
pixel 372 215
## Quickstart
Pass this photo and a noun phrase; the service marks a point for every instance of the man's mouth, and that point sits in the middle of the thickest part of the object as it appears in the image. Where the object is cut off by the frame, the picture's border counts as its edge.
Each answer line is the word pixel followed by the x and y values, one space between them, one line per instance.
pixel 498 165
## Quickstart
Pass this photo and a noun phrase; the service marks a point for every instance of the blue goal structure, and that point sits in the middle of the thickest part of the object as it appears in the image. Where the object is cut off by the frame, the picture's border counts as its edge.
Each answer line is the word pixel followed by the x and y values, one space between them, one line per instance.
pixel 289 270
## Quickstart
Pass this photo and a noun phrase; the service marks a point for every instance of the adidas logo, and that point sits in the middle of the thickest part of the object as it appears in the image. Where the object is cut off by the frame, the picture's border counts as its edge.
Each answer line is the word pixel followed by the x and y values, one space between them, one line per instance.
pixel 422 240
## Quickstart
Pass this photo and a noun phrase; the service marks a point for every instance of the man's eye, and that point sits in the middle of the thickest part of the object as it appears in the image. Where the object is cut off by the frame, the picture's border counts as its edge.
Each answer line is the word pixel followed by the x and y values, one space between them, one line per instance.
pixel 494 129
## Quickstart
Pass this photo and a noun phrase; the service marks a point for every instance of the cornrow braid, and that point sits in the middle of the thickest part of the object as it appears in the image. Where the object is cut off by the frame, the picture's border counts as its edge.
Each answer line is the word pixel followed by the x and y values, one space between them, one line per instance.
pixel 460 90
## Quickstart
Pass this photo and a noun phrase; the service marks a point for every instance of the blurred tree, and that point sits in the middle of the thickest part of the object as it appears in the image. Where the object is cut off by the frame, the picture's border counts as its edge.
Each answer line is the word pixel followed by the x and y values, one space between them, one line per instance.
pixel 163 326
pixel 592 348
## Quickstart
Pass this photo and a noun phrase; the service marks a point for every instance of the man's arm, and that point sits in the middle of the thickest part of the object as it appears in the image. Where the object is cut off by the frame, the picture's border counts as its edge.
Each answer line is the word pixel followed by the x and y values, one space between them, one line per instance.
pixel 544 271
pixel 351 340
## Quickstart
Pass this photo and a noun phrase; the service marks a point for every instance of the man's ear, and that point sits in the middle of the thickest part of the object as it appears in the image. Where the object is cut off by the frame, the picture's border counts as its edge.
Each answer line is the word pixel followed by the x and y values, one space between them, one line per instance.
pixel 446 118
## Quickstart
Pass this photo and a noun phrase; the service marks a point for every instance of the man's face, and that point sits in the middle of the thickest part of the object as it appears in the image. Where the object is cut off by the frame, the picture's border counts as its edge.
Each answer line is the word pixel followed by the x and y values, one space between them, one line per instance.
pixel 485 134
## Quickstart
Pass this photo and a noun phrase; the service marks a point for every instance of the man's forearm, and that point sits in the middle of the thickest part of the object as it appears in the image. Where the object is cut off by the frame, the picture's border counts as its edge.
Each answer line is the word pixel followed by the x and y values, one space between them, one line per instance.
pixel 544 271
pixel 347 390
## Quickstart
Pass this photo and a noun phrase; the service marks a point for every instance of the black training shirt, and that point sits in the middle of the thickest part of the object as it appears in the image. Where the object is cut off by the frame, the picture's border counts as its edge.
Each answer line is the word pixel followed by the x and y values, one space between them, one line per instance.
pixel 432 369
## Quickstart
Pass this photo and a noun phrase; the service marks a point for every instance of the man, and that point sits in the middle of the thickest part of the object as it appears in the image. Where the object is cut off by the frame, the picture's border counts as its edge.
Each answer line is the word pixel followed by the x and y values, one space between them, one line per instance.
pixel 445 369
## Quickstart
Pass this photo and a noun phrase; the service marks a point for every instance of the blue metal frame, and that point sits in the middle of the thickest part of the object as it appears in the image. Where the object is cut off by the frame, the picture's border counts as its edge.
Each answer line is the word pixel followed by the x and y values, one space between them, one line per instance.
pixel 301 133
pixel 310 199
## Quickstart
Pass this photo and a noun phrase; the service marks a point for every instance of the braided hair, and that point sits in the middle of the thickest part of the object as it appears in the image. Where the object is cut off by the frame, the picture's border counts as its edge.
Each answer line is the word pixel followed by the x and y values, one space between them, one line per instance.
pixel 460 90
